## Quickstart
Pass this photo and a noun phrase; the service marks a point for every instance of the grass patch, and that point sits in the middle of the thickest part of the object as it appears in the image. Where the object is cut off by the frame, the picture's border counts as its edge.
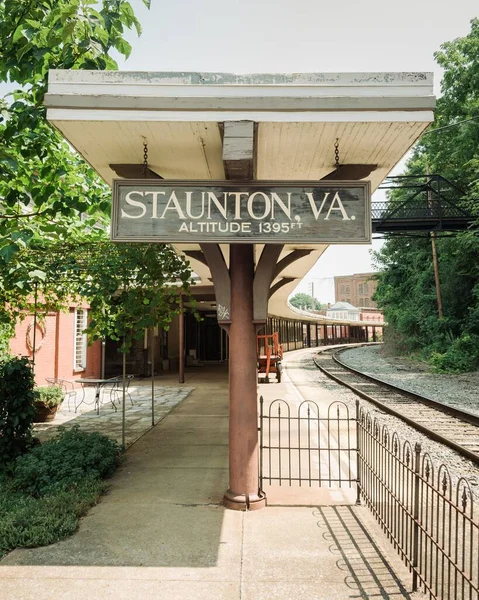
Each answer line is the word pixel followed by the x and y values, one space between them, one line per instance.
pixel 52 486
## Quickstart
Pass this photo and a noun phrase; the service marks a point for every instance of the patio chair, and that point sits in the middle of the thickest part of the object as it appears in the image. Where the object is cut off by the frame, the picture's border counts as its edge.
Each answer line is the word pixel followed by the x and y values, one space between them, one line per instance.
pixel 116 389
pixel 68 388
pixel 111 388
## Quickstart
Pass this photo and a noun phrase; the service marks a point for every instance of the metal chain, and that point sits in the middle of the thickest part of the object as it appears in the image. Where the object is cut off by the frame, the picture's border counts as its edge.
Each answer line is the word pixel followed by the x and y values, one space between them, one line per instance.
pixel 336 152
pixel 145 159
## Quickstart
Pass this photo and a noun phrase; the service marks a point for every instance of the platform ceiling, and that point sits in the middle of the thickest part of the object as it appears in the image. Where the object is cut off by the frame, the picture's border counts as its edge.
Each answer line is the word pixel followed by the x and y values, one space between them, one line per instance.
pixel 377 117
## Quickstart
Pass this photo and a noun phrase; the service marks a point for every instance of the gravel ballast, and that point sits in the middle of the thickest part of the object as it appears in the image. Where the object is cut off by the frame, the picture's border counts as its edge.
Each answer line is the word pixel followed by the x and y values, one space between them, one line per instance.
pixel 460 390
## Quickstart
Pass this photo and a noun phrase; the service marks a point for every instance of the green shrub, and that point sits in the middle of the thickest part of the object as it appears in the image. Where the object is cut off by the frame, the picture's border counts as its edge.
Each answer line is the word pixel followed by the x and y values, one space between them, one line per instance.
pixel 52 486
pixel 49 396
pixel 16 408
pixel 462 355
pixel 64 460
pixel 26 522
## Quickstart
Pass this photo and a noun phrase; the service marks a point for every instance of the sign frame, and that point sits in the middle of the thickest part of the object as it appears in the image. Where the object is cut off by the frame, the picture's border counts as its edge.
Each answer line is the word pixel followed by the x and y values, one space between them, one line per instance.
pixel 278 238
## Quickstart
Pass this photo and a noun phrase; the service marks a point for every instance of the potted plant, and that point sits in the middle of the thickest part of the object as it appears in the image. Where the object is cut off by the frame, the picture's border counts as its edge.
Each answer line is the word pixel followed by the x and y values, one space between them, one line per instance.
pixel 47 401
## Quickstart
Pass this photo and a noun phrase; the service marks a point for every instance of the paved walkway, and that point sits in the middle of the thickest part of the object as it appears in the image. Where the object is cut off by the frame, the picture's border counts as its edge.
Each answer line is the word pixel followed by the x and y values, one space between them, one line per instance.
pixel 161 532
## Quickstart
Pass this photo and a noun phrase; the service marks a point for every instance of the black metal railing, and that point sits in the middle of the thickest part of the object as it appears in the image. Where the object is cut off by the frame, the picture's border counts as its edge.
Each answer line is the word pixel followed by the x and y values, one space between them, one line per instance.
pixel 415 209
pixel 425 202
pixel 430 518
pixel 298 446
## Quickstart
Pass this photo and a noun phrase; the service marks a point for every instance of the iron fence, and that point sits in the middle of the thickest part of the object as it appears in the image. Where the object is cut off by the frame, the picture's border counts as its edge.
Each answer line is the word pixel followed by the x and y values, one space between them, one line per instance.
pixel 298 446
pixel 429 518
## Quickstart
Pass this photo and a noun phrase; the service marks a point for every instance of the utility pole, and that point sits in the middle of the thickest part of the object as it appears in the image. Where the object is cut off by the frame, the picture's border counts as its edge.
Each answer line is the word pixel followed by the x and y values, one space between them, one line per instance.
pixel 435 261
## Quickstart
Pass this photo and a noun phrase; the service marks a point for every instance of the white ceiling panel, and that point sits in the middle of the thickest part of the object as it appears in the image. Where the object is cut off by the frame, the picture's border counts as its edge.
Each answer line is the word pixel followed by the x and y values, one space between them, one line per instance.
pixel 306 150
pixel 186 150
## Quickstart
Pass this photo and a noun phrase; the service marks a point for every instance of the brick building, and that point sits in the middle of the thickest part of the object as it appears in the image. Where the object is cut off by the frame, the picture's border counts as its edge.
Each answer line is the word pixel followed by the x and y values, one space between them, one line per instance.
pixel 61 347
pixel 356 289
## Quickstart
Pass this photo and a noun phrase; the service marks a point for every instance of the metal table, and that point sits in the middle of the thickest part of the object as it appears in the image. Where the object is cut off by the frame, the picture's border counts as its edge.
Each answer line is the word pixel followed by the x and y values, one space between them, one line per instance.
pixel 98 383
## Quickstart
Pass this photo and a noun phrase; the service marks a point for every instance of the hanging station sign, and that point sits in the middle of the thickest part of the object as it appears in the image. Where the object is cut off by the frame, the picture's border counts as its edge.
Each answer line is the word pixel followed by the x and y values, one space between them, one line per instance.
pixel 260 212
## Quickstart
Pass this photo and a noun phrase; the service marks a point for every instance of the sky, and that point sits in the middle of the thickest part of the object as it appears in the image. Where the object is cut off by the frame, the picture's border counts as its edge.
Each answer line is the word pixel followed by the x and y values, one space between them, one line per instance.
pixel 282 36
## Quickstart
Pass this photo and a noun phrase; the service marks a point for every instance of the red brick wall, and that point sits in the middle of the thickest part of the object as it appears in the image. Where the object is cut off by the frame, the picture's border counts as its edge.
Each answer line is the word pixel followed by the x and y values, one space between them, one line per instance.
pixel 55 357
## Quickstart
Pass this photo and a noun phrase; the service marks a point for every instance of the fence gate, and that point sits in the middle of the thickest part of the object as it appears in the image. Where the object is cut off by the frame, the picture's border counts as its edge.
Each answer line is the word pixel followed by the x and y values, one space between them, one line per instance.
pixel 300 447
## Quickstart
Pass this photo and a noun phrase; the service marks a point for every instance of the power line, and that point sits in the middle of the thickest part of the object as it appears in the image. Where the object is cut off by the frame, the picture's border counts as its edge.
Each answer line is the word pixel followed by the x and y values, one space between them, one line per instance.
pixel 451 125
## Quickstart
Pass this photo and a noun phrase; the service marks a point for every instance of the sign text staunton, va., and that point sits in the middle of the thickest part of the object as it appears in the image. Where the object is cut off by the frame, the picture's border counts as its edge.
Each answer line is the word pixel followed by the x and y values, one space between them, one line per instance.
pixel 232 212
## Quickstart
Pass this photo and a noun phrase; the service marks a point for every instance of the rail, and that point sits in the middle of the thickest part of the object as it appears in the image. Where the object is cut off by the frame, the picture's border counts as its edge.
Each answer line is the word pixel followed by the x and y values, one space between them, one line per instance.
pixel 424 202
pixel 468 422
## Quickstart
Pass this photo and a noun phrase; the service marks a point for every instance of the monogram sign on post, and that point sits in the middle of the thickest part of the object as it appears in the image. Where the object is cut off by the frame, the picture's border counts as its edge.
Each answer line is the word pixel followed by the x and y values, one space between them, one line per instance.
pixel 261 212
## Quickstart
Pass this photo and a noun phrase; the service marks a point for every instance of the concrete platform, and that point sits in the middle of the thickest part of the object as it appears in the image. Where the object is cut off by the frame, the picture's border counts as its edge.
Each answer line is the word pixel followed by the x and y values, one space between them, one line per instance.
pixel 161 532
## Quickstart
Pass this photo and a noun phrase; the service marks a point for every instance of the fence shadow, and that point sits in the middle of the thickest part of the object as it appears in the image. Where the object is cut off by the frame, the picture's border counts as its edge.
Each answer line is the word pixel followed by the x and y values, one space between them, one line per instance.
pixel 367 572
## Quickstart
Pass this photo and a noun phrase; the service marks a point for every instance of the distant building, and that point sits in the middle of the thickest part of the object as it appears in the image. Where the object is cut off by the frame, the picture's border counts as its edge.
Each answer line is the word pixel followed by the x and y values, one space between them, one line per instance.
pixel 356 289
pixel 343 311
pixel 371 315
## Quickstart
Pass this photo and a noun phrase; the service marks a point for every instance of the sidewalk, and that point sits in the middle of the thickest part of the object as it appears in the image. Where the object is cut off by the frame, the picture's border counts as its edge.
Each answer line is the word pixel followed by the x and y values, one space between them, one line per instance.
pixel 161 532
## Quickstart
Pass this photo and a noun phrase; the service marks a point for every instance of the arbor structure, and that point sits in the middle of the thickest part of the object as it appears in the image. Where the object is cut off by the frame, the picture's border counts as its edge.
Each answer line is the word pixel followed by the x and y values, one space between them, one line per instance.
pixel 407 287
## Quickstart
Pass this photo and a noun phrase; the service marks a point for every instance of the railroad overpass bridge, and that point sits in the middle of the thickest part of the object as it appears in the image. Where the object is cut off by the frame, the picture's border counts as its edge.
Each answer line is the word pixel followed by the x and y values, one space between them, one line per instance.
pixel 426 203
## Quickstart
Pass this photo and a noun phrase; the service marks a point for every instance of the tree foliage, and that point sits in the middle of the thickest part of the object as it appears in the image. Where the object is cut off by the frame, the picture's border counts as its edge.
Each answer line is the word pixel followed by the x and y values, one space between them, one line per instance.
pixel 46 190
pixel 406 290
pixel 16 408
pixel 305 301
pixel 52 204
pixel 129 287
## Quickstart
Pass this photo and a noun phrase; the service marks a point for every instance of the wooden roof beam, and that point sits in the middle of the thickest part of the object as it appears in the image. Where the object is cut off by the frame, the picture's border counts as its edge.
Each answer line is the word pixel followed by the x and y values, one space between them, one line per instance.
pixel 238 149
pixel 282 282
pixel 196 255
pixel 290 259
pixel 127 171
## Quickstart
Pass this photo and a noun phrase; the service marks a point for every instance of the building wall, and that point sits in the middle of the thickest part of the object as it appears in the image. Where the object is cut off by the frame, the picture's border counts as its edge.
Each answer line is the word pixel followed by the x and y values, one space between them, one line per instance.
pixel 343 315
pixel 372 315
pixel 356 289
pixel 55 342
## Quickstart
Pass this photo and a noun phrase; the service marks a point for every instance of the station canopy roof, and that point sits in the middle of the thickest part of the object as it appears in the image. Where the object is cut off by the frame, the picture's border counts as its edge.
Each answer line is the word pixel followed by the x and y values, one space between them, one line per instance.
pixel 376 118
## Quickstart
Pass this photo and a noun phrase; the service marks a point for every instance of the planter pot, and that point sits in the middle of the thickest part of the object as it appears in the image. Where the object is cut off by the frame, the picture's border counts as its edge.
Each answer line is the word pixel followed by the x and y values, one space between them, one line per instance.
pixel 43 413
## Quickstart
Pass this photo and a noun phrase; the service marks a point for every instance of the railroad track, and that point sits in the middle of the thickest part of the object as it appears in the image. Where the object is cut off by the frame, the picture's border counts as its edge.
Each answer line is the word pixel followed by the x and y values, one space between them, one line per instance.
pixel 451 426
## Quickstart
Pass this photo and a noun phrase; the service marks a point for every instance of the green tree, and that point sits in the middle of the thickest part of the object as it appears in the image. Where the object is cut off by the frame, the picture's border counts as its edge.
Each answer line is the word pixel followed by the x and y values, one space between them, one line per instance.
pixel 305 301
pixel 50 198
pixel 129 287
pixel 47 192
pixel 406 290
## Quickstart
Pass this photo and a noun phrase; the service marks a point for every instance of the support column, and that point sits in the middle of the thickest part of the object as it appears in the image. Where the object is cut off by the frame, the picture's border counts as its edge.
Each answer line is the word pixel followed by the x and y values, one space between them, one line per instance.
pixel 243 492
pixel 181 344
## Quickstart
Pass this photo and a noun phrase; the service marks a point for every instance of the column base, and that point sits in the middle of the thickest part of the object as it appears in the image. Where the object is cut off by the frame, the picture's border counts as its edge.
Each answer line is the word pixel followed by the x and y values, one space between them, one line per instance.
pixel 235 501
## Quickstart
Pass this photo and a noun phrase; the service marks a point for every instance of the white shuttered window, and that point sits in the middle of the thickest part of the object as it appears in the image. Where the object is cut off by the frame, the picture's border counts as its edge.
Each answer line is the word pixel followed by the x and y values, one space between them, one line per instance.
pixel 80 341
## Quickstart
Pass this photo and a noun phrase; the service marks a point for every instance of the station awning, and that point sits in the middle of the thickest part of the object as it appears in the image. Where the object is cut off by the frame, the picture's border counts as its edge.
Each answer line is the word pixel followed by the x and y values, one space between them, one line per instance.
pixel 297 118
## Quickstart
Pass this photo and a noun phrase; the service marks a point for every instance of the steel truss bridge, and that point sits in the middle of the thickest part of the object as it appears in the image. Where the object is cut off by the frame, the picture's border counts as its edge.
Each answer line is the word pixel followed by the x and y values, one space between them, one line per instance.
pixel 427 203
